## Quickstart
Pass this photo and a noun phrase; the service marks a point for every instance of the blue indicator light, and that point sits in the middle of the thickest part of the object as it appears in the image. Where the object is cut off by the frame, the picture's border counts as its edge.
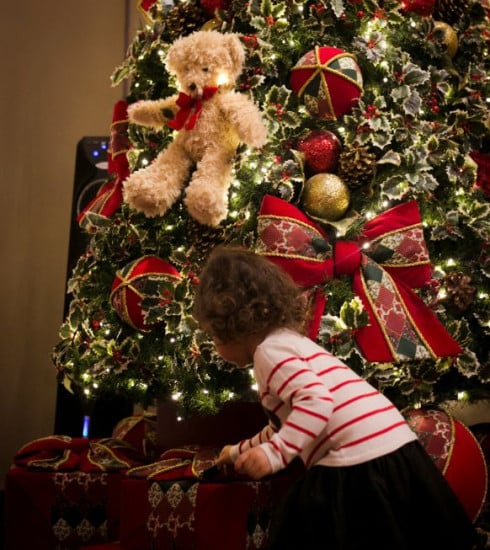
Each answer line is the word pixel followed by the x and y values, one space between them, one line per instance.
pixel 86 426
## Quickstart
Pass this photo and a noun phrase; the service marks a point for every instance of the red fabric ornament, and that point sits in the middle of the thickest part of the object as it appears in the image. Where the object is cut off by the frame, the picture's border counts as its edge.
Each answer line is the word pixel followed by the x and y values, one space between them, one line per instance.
pixel 456 452
pixel 328 80
pixel 383 275
pixel 420 7
pixel 135 282
pixel 210 6
pixel 321 149
pixel 483 173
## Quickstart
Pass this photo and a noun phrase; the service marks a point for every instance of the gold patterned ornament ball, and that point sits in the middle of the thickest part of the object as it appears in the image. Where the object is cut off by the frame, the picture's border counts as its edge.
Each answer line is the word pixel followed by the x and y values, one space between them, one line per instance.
pixel 446 35
pixel 325 197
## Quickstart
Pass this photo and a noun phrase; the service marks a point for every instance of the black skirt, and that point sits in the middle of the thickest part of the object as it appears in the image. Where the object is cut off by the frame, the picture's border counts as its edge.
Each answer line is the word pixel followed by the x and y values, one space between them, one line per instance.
pixel 400 501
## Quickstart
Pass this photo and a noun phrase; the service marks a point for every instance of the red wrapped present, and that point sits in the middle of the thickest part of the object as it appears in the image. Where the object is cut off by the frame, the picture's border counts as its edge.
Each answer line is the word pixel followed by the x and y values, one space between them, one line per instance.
pixel 173 504
pixel 55 510
pixel 66 492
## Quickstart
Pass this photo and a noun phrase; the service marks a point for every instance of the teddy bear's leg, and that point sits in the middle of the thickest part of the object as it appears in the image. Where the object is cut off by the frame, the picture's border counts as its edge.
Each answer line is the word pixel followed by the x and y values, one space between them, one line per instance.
pixel 207 194
pixel 154 189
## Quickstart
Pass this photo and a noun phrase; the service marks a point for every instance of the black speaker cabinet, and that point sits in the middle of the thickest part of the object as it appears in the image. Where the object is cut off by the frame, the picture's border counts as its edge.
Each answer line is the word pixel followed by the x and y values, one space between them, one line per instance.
pixel 74 417
pixel 90 174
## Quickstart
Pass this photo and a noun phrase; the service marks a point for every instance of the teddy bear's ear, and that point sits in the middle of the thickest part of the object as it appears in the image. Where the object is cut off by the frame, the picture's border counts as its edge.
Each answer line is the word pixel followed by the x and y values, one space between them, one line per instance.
pixel 173 56
pixel 237 52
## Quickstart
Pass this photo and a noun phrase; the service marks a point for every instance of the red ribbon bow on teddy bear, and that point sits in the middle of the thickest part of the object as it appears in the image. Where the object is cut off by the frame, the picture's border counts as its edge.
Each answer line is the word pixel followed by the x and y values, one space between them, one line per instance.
pixel 386 262
pixel 190 109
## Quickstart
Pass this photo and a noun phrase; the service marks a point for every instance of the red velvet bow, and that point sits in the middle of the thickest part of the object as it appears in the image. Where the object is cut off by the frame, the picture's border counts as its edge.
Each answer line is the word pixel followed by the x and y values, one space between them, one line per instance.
pixel 64 453
pixel 190 109
pixel 386 262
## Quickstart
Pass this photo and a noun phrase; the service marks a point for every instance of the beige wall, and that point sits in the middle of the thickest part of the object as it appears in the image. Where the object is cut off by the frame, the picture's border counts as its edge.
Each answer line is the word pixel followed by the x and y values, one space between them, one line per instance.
pixel 56 62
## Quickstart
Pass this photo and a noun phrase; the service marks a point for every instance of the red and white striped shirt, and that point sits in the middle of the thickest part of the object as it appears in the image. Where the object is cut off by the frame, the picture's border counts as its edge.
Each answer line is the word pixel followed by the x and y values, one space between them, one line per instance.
pixel 320 409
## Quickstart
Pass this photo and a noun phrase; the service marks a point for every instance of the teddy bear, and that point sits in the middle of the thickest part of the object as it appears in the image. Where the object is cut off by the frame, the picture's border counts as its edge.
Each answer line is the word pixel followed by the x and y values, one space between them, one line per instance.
pixel 210 120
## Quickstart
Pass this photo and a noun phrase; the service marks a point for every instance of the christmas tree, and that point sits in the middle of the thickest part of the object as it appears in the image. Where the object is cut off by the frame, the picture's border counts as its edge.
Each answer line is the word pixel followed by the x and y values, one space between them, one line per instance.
pixel 377 149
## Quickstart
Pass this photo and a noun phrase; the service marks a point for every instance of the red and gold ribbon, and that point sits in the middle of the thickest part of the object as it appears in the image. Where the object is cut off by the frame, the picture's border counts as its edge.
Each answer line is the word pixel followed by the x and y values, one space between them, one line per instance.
pixel 109 197
pixel 190 109
pixel 387 261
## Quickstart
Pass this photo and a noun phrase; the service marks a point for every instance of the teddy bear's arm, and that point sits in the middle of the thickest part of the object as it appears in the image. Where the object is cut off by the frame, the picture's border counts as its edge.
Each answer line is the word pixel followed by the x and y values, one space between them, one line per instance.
pixel 245 118
pixel 153 113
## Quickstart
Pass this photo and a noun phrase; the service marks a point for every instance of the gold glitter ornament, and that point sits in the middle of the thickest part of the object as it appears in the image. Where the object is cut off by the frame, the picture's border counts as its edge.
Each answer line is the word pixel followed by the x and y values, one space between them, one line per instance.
pixel 325 197
pixel 446 35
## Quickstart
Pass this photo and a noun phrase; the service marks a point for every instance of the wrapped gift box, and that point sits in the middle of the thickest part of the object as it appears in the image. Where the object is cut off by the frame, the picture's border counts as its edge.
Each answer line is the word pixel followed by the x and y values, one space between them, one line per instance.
pixel 63 493
pixel 187 515
pixel 60 510
pixel 169 504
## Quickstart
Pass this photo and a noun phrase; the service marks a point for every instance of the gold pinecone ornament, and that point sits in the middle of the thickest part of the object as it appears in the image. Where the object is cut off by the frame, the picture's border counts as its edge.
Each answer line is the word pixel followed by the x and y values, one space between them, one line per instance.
pixel 460 291
pixel 357 166
pixel 204 238
pixel 450 11
pixel 184 18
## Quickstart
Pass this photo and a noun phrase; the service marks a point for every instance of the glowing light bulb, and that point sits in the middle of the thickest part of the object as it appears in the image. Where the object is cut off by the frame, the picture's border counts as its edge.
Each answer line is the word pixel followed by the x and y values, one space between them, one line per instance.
pixel 223 79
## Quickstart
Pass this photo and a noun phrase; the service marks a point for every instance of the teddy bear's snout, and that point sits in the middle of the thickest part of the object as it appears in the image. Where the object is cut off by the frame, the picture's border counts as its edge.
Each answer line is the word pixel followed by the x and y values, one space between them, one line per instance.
pixel 192 87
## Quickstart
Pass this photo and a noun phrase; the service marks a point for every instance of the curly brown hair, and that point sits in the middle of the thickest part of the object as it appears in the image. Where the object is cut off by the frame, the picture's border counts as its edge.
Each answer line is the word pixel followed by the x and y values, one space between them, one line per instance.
pixel 242 293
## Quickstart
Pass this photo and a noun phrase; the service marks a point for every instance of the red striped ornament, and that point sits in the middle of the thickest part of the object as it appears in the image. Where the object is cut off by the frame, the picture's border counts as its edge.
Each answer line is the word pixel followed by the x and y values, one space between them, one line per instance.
pixel 328 80
pixel 132 284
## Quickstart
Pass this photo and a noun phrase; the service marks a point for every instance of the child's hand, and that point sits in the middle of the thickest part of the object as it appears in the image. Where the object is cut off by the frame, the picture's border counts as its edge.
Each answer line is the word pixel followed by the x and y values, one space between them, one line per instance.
pixel 224 456
pixel 254 463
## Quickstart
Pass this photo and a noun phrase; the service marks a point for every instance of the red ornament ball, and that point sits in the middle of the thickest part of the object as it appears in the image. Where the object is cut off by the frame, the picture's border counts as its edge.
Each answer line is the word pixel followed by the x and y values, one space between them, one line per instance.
pixel 457 454
pixel 147 276
pixel 210 6
pixel 328 80
pixel 321 149
pixel 420 7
